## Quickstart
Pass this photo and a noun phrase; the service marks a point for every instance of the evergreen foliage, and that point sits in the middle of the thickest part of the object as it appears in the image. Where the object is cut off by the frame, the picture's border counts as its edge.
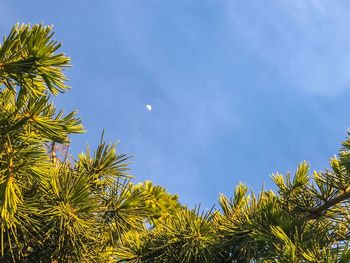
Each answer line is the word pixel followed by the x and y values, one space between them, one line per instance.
pixel 59 208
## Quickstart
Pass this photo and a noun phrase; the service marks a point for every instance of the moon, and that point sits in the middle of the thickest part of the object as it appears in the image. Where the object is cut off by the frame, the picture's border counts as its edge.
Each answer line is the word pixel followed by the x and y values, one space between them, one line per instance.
pixel 149 107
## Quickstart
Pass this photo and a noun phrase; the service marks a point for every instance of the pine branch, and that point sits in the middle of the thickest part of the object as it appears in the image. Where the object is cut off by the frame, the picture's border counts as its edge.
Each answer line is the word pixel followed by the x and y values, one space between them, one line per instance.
pixel 319 211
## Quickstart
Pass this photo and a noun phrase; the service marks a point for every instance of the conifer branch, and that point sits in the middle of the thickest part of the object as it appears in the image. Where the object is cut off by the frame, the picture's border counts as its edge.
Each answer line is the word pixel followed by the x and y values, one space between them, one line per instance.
pixel 322 209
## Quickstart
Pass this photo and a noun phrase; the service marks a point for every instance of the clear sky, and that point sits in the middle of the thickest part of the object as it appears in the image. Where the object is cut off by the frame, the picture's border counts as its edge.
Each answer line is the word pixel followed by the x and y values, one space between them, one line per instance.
pixel 239 89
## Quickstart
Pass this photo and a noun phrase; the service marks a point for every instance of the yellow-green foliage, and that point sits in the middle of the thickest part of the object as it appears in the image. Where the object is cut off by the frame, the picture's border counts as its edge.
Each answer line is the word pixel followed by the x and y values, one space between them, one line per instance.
pixel 59 208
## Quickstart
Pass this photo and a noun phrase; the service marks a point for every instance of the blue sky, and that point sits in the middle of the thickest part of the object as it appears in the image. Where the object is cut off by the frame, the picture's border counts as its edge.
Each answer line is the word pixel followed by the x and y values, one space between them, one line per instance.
pixel 239 89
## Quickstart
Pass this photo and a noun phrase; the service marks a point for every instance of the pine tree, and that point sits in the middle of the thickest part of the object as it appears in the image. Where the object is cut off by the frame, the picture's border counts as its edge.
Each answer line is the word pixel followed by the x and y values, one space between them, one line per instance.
pixel 58 208
pixel 305 220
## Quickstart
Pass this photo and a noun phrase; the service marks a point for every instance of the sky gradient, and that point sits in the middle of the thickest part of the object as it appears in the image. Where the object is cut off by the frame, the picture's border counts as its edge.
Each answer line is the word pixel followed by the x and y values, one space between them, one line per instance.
pixel 239 89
